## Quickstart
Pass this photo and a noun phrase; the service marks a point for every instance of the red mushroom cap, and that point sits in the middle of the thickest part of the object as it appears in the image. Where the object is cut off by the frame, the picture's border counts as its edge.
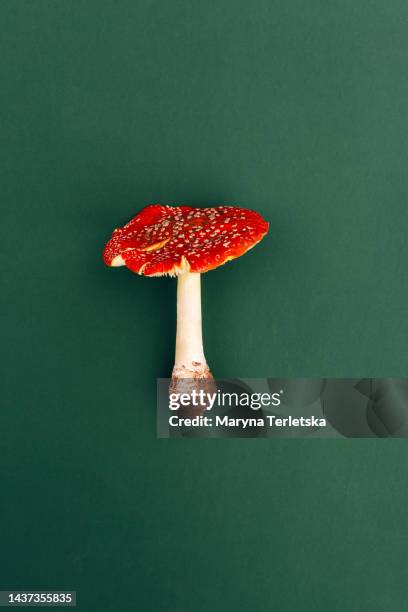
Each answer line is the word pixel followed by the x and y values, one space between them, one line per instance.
pixel 175 239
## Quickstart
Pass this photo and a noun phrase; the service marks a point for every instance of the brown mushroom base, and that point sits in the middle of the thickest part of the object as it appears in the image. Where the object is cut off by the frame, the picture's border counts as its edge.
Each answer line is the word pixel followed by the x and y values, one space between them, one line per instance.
pixel 197 371
pixel 186 381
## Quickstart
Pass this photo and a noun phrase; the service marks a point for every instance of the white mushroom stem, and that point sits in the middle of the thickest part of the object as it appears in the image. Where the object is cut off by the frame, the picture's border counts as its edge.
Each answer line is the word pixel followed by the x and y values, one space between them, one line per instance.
pixel 190 360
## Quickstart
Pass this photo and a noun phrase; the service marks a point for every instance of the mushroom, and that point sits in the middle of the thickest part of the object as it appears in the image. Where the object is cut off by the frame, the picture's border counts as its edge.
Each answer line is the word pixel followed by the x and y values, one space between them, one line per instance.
pixel 184 241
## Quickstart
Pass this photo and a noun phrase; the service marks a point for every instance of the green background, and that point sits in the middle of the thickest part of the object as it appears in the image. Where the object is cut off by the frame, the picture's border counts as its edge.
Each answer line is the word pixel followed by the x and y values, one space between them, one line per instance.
pixel 296 109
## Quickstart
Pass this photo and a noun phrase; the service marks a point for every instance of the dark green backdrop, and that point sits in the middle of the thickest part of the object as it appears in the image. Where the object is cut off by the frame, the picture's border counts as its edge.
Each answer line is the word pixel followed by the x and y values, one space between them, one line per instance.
pixel 297 109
